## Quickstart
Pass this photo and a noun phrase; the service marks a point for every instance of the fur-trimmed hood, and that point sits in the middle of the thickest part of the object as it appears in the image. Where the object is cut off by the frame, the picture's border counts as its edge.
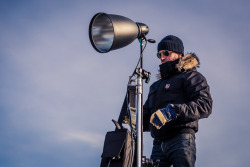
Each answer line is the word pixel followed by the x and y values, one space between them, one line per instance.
pixel 188 62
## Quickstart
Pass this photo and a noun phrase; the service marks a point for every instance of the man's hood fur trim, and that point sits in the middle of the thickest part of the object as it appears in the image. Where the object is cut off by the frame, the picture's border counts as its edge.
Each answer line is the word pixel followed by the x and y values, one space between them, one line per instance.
pixel 188 62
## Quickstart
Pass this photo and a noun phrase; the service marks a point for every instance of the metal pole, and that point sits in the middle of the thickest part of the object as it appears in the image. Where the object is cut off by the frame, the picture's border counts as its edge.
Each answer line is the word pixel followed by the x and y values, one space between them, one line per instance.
pixel 138 121
pixel 139 111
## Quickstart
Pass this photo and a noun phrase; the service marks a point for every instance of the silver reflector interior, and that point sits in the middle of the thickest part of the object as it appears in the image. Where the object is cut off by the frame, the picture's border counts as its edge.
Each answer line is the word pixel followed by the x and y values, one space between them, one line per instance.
pixel 102 32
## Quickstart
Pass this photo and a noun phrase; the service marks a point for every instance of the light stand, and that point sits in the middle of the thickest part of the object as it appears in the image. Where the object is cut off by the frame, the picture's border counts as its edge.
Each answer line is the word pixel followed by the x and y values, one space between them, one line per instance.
pixel 139 109
pixel 141 161
pixel 109 32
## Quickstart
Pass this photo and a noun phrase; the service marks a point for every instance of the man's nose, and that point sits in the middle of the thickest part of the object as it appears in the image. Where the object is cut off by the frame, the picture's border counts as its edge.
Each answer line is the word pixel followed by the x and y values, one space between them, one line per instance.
pixel 162 57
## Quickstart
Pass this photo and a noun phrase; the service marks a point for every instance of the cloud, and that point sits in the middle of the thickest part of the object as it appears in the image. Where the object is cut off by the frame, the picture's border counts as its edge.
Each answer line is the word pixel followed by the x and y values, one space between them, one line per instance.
pixel 92 139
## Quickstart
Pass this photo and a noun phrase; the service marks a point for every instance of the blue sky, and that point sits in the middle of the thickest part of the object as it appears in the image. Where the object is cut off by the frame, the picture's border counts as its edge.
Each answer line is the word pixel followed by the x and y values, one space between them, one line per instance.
pixel 58 95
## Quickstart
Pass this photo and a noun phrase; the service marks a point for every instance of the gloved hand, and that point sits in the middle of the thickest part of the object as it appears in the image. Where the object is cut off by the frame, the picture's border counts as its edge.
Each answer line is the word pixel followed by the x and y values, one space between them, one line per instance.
pixel 162 116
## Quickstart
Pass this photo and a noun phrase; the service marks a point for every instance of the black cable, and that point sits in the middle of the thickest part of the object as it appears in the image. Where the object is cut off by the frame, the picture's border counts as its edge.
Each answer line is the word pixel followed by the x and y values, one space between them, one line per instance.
pixel 145 40
pixel 141 54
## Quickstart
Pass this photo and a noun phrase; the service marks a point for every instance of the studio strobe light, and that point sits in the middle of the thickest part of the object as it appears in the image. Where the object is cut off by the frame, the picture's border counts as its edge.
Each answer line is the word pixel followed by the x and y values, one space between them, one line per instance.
pixel 109 32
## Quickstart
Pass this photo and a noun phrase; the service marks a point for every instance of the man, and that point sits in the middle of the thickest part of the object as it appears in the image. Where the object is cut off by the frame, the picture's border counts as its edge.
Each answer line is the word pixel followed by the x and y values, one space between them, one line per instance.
pixel 175 104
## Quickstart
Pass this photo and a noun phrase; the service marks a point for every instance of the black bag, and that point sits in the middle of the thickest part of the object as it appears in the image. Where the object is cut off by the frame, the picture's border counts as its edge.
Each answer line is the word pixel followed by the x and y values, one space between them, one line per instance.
pixel 119 149
pixel 119 145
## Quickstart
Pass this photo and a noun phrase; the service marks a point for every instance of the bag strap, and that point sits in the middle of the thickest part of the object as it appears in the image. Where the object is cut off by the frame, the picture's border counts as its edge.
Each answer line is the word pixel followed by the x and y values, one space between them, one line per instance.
pixel 129 100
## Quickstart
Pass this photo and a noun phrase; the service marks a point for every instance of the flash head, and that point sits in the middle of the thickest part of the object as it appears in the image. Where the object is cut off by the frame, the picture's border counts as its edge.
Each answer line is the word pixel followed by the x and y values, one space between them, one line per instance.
pixel 109 32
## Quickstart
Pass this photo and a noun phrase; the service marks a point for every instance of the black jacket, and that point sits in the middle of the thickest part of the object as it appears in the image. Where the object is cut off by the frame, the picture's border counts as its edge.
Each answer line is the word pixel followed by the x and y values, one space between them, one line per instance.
pixel 187 89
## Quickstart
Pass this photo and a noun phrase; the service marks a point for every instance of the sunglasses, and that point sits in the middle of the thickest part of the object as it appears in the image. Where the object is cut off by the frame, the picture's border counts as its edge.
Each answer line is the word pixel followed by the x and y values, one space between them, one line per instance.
pixel 164 52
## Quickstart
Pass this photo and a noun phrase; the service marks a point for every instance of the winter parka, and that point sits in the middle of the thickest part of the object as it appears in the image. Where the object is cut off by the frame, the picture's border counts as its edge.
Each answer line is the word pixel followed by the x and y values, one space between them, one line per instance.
pixel 184 87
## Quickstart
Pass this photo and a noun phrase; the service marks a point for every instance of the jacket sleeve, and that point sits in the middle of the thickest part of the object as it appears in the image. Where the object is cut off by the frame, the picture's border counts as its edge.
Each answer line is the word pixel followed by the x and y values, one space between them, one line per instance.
pixel 146 116
pixel 198 99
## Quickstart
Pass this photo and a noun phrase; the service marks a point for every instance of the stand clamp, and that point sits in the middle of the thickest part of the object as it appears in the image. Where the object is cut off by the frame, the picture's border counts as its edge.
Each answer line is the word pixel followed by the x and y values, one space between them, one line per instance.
pixel 144 74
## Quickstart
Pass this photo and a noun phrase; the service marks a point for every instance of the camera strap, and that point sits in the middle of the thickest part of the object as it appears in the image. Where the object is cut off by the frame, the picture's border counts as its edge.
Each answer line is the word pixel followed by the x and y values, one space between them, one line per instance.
pixel 128 110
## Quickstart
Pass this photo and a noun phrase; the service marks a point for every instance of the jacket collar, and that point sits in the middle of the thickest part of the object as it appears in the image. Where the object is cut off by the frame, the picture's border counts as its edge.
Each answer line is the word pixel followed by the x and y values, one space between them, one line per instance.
pixel 188 62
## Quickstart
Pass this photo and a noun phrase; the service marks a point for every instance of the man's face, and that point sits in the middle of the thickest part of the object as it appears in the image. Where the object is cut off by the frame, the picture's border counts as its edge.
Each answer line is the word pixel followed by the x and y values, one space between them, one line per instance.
pixel 168 56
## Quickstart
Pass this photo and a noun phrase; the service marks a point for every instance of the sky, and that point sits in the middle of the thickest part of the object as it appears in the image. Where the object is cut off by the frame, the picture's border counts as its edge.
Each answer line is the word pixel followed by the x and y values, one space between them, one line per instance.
pixel 58 95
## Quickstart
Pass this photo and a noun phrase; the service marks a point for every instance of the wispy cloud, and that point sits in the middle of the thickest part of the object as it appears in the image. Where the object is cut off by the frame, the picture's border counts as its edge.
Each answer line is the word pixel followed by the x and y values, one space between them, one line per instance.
pixel 93 139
